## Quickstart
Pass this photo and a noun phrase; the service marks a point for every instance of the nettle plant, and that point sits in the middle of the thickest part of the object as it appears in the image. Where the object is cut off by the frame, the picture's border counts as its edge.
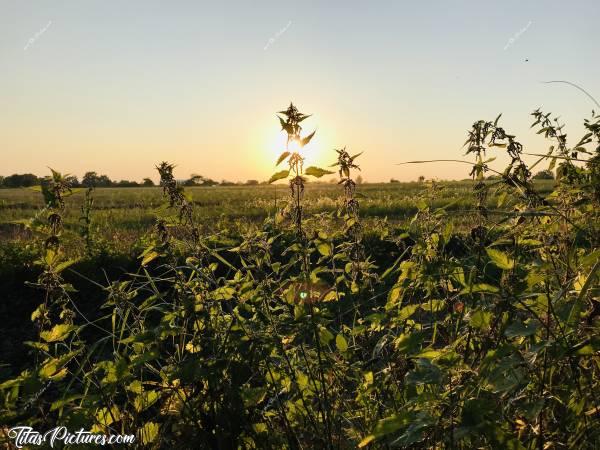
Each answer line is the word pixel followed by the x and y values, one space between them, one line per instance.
pixel 292 155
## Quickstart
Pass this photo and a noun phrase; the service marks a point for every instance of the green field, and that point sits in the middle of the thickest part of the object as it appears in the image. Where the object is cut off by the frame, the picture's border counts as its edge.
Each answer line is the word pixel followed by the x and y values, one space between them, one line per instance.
pixel 123 215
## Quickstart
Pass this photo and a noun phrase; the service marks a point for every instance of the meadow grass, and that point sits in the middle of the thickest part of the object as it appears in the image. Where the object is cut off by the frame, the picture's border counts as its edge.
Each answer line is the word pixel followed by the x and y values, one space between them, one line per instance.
pixel 124 214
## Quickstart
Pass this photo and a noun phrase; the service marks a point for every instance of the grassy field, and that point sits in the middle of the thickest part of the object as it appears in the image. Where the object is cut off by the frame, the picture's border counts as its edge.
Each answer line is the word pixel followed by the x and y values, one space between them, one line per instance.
pixel 123 215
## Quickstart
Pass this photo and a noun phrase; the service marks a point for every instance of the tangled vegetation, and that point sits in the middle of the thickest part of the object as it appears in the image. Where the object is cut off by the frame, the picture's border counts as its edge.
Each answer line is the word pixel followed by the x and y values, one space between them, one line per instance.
pixel 296 337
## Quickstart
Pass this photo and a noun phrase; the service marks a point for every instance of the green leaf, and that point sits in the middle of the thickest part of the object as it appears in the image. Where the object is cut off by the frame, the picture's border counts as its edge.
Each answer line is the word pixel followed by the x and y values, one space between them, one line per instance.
pixel 58 404
pixel 148 433
pixel 366 441
pixel 317 171
pixel 325 335
pixel 279 176
pixel 324 248
pixel 500 259
pixel 521 329
pixel 433 306
pixel 407 311
pixel 331 296
pixel 253 395
pixel 501 199
pixel 340 343
pixel 480 287
pixel 282 157
pixel 62 266
pixel 407 343
pixel 481 320
pixel 58 333
pixel 307 139
pixel 106 416
pixel 586 350
pixel 145 400
pixel 149 257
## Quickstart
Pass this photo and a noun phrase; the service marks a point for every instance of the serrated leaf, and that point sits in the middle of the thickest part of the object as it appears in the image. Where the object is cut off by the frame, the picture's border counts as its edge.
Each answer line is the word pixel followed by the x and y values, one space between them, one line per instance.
pixel 148 433
pixel 324 248
pixel 62 266
pixel 500 259
pixel 480 287
pixel 325 336
pixel 521 329
pixel 340 343
pixel 106 416
pixel 307 139
pixel 481 320
pixel 279 176
pixel 407 311
pixel 317 172
pixel 149 257
pixel 282 157
pixel 58 333
pixel 145 400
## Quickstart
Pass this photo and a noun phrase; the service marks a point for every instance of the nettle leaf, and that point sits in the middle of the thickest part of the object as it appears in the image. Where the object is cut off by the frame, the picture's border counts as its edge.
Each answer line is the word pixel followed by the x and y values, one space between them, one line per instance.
pixel 408 343
pixel 145 400
pixel 106 416
pixel 58 333
pixel 521 329
pixel 387 426
pixel 317 172
pixel 148 433
pixel 253 395
pixel 433 306
pixel 307 139
pixel 480 288
pixel 407 311
pixel 279 176
pixel 282 157
pixel 481 320
pixel 151 256
pixel 500 259
pixel 340 343
pixel 325 336
pixel 324 248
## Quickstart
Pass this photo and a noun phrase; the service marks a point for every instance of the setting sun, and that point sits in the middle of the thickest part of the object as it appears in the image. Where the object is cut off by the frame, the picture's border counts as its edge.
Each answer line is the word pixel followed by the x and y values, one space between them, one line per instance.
pixel 319 151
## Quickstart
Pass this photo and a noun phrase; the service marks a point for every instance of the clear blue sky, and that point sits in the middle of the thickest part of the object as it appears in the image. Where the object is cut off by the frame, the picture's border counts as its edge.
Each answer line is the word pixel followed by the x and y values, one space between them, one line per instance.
pixel 116 87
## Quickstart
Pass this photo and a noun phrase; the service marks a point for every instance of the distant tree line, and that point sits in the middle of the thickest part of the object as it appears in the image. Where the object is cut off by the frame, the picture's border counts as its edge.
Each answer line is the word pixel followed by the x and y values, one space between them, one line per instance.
pixel 93 179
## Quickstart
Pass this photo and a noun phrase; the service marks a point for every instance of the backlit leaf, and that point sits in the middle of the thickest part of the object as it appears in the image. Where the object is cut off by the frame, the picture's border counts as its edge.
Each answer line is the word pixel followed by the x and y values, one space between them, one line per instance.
pixel 317 171
pixel 279 176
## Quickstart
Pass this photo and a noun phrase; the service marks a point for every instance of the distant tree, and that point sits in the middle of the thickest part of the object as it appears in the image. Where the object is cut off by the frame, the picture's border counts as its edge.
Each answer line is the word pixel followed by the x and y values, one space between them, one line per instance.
pixel 90 179
pixel 359 180
pixel 393 180
pixel 1 181
pixel 72 180
pixel 544 175
pixel 21 180
pixel 252 183
pixel 227 183
pixel 104 181
pixel 199 180
pixel 126 183
pixel 147 182
pixel 421 178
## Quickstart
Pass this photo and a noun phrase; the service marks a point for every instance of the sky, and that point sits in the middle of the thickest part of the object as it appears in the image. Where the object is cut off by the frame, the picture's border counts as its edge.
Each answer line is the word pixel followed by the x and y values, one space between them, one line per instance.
pixel 117 87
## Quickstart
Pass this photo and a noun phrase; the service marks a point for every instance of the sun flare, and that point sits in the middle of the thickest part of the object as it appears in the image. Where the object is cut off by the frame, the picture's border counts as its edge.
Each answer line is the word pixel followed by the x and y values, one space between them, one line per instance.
pixel 312 153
